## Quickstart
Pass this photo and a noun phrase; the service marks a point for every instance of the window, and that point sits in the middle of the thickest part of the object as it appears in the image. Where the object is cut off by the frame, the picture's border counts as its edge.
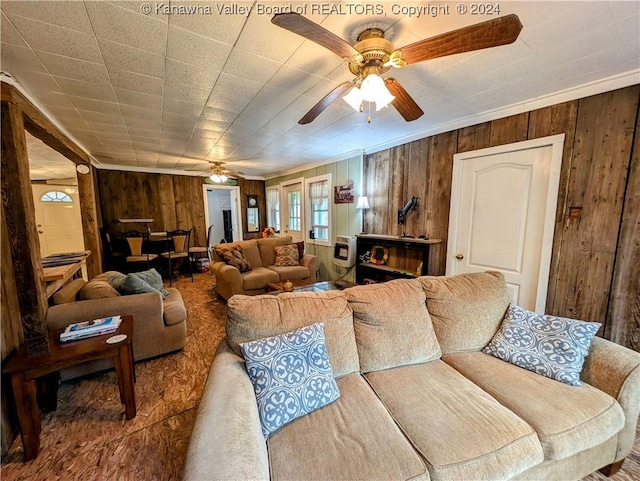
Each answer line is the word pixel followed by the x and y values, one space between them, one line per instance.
pixel 273 208
pixel 55 196
pixel 295 216
pixel 319 211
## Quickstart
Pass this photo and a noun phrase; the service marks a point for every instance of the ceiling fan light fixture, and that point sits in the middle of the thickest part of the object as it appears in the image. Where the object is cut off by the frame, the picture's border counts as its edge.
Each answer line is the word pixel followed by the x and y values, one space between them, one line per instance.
pixel 354 99
pixel 384 99
pixel 374 90
pixel 223 178
pixel 216 178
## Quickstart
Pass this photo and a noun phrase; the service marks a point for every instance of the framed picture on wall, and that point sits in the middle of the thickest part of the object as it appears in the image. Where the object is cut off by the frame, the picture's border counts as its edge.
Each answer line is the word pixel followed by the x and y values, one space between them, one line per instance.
pixel 343 194
pixel 253 214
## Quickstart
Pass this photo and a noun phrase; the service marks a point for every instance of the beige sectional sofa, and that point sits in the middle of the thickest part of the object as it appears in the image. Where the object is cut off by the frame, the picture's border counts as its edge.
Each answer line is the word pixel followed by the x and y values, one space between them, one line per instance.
pixel 159 324
pixel 418 398
pixel 261 254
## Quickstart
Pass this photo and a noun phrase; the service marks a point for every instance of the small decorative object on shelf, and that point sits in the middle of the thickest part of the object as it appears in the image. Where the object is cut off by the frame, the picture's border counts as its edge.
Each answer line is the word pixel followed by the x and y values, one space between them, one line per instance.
pixel 287 286
pixel 366 257
pixel 419 270
pixel 379 255
pixel 268 232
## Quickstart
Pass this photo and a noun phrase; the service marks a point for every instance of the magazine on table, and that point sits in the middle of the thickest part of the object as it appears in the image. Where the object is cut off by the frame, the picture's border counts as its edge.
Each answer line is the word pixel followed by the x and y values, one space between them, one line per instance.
pixel 96 327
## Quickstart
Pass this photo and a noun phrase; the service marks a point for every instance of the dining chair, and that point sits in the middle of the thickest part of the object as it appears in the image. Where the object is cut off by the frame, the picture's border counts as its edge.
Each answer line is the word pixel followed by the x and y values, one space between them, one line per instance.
pixel 135 240
pixel 113 257
pixel 197 250
pixel 178 249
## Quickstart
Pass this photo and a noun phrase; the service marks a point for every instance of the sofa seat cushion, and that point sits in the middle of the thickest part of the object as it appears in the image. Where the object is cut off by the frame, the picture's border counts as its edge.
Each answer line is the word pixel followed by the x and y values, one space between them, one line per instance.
pixel 461 431
pixel 256 317
pixel 290 272
pixel 567 419
pixel 392 325
pixel 174 311
pixel 258 278
pixel 353 438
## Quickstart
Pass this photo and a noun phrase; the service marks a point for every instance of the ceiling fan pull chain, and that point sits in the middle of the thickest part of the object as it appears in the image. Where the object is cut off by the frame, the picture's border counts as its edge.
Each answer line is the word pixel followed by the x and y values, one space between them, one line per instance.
pixel 369 118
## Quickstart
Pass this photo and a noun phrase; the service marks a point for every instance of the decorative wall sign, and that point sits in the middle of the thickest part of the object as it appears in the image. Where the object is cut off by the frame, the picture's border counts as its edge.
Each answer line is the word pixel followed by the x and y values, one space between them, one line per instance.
pixel 343 194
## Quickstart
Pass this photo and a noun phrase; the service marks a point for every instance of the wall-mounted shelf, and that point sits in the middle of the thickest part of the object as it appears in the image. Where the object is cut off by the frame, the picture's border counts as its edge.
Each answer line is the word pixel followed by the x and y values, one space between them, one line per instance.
pixel 406 254
pixel 135 221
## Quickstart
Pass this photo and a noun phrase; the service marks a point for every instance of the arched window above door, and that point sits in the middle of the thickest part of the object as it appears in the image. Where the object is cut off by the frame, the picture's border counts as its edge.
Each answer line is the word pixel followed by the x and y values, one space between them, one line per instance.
pixel 55 196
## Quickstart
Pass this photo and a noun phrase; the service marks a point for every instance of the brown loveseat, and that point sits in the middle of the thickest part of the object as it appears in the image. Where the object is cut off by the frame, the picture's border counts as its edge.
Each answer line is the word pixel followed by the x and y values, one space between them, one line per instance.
pixel 261 254
pixel 418 398
pixel 159 325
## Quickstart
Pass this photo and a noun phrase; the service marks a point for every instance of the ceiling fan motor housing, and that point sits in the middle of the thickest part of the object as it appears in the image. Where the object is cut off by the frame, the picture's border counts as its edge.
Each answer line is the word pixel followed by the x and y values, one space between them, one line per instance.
pixel 374 51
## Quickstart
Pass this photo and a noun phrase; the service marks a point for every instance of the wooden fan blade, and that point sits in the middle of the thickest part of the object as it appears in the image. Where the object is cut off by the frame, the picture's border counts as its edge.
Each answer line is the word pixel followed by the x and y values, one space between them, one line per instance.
pixel 493 33
pixel 312 31
pixel 404 103
pixel 325 102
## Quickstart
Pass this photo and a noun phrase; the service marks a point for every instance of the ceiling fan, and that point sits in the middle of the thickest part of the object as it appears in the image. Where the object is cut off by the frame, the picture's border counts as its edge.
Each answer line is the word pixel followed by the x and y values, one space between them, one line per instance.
pixel 219 175
pixel 373 55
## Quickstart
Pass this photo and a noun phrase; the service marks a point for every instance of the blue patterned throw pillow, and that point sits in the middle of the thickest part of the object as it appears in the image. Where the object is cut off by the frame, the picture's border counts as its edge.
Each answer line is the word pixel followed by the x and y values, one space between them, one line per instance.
pixel 552 346
pixel 291 375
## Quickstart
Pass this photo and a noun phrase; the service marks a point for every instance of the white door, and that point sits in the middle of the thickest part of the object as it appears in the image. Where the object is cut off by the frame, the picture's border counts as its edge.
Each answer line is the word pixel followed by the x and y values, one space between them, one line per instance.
pixel 503 204
pixel 57 212
pixel 217 199
pixel 292 223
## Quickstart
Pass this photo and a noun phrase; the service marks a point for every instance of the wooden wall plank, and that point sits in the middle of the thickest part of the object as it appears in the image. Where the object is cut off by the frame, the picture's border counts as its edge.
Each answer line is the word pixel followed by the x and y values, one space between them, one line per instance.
pixel 167 203
pixel 441 152
pixel 604 133
pixel 398 160
pixel 370 188
pixel 418 173
pixel 557 119
pixel 253 187
pixel 381 200
pixel 17 198
pixel 623 317
pixel 474 137
pixel 189 207
pixel 509 129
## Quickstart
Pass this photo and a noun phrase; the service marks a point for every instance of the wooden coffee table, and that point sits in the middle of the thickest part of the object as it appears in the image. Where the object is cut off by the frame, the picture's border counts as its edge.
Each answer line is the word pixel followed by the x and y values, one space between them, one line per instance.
pixel 25 370
pixel 316 287
pixel 279 286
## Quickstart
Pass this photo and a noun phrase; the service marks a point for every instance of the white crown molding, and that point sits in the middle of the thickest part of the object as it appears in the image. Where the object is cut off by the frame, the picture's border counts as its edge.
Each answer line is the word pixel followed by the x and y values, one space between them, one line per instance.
pixel 608 84
pixel 8 79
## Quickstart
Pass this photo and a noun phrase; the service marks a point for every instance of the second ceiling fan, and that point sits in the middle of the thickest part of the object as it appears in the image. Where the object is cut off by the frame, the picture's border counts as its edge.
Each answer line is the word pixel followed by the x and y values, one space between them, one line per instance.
pixel 373 55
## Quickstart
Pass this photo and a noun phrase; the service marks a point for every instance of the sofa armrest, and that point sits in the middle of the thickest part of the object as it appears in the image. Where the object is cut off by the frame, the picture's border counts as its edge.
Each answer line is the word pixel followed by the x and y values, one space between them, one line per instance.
pixel 228 278
pixel 227 441
pixel 312 263
pixel 615 370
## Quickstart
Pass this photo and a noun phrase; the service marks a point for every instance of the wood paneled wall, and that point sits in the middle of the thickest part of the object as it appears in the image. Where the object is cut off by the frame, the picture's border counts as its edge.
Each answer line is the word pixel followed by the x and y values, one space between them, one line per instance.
pixel 253 187
pixel 172 201
pixel 596 245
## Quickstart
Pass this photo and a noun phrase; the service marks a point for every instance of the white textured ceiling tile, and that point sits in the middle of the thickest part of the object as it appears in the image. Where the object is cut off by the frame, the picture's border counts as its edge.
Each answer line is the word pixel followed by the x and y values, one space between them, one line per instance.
pixel 629 38
pixel 294 81
pixel 137 99
pixel 149 123
pixel 229 85
pixel 314 59
pixel 157 12
pixel 136 82
pixel 61 41
pixel 177 119
pixel 83 103
pixel 266 39
pixel 181 73
pixel 86 89
pixel 187 93
pixel 71 15
pixel 8 34
pixel 624 9
pixel 125 26
pixel 73 68
pixel 97 128
pixel 211 135
pixel 44 84
pixel 220 126
pixel 249 66
pixel 220 25
pixel 16 60
pixel 192 49
pixel 144 135
pixel 212 113
pixel 55 100
pixel 123 57
pixel 181 108
pixel 228 103
pixel 97 117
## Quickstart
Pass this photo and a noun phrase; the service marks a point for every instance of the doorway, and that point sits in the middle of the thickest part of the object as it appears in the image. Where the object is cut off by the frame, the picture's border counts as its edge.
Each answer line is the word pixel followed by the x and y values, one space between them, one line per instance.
pixel 292 221
pixel 503 206
pixel 221 207
pixel 57 212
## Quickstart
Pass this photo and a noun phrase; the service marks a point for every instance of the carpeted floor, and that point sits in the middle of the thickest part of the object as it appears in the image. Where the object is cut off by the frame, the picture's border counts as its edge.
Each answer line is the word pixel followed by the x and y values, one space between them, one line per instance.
pixel 88 438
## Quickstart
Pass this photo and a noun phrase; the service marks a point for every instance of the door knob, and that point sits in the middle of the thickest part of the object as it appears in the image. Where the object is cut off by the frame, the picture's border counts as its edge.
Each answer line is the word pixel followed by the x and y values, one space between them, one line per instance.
pixel 40 232
pixel 459 257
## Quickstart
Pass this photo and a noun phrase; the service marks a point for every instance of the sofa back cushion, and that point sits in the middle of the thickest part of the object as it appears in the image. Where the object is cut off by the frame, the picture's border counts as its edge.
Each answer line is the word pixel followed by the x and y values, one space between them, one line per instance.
pixel 249 249
pixel 466 309
pixel 256 317
pixel 392 325
pixel 268 246
pixel 99 287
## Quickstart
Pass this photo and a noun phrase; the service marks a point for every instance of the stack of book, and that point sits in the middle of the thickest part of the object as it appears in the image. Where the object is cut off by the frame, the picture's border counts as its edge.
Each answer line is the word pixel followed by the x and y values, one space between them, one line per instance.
pixel 97 327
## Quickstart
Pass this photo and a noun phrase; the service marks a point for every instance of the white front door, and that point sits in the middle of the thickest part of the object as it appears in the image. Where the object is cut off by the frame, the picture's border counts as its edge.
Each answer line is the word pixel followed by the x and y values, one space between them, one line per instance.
pixel 503 204
pixel 57 212
pixel 292 211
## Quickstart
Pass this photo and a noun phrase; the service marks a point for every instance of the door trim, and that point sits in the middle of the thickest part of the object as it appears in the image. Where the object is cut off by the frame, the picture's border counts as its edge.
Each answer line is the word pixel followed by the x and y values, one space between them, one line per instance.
pixel 303 220
pixel 208 187
pixel 556 142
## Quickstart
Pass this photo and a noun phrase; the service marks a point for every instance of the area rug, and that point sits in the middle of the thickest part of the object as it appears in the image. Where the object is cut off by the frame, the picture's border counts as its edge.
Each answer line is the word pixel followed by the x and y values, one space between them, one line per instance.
pixel 88 438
